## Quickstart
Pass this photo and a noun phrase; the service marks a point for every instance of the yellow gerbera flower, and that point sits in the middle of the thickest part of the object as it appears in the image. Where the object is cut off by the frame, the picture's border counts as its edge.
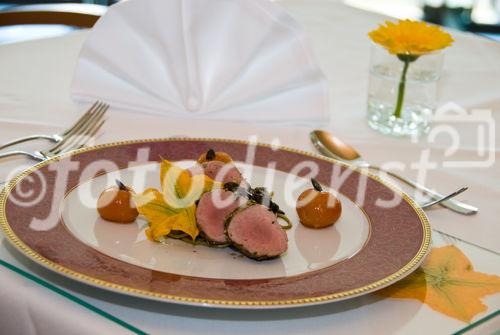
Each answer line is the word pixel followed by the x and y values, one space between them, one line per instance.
pixel 410 37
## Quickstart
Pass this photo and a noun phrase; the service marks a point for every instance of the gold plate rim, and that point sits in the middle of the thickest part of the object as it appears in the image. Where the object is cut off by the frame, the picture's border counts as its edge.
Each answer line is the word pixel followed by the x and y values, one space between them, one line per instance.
pixel 30 253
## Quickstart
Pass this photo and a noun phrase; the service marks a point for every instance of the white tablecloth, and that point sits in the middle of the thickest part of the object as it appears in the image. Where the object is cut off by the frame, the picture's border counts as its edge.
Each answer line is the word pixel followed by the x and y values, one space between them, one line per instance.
pixel 34 99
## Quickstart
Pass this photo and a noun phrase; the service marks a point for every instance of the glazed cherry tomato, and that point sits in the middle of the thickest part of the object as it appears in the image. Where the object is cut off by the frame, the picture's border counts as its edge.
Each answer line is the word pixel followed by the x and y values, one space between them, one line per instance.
pixel 211 155
pixel 317 208
pixel 115 204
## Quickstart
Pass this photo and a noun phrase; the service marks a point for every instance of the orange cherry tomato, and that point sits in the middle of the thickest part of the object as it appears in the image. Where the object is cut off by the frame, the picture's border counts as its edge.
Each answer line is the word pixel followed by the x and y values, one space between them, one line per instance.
pixel 317 208
pixel 211 155
pixel 115 204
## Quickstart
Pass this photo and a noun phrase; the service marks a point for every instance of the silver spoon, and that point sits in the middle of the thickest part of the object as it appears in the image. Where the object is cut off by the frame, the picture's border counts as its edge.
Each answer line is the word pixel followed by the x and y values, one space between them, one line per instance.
pixel 333 147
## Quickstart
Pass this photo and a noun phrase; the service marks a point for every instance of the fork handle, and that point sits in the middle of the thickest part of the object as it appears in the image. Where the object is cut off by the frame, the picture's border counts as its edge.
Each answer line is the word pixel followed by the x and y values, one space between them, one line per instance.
pixel 36 156
pixel 452 204
pixel 53 138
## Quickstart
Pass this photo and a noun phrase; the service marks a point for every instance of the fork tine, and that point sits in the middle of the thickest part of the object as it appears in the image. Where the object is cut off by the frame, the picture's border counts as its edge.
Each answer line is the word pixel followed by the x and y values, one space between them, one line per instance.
pixel 83 140
pixel 90 136
pixel 85 135
pixel 93 119
pixel 77 137
pixel 82 119
pixel 94 109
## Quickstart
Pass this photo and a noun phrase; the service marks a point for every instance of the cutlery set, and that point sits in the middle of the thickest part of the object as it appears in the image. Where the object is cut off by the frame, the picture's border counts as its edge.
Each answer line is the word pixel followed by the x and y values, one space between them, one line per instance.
pixel 331 146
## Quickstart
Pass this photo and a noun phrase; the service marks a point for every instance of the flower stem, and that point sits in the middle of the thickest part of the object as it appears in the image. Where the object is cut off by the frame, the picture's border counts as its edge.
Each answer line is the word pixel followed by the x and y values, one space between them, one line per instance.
pixel 401 89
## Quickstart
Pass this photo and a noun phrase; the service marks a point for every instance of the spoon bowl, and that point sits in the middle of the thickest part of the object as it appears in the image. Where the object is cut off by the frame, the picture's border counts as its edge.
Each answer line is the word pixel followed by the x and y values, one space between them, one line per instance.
pixel 333 146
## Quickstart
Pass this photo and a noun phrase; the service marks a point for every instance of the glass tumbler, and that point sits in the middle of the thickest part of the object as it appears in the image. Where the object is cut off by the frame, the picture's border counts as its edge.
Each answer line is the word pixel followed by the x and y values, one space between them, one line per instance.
pixel 420 92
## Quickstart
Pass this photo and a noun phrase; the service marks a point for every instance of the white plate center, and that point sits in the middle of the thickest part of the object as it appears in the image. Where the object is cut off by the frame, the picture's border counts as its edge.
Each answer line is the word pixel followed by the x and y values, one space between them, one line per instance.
pixel 308 249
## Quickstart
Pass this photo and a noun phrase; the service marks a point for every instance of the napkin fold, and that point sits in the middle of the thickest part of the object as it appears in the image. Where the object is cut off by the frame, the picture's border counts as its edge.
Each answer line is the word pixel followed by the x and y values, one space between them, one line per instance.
pixel 220 59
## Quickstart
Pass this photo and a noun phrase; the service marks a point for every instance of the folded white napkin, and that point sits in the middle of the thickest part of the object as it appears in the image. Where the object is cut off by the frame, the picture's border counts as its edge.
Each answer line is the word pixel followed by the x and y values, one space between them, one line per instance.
pixel 217 59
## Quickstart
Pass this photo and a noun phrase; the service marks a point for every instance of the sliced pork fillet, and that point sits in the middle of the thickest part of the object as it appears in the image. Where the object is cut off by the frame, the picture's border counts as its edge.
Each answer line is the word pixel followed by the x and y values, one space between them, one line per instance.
pixel 256 233
pixel 222 172
pixel 212 210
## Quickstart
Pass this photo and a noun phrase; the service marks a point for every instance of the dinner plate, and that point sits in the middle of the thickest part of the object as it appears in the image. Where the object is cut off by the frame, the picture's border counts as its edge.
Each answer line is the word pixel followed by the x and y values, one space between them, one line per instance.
pixel 48 212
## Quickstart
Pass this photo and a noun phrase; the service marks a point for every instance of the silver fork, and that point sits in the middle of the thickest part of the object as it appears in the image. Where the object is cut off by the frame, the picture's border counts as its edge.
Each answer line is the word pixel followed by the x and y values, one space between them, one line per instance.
pixel 56 138
pixel 76 138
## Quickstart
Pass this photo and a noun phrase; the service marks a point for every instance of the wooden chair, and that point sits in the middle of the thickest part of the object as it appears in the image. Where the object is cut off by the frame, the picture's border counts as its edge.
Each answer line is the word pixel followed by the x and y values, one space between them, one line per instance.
pixel 76 15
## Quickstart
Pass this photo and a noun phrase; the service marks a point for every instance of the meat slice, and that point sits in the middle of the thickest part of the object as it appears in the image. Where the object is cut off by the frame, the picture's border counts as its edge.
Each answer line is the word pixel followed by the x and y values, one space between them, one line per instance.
pixel 222 172
pixel 255 232
pixel 212 210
